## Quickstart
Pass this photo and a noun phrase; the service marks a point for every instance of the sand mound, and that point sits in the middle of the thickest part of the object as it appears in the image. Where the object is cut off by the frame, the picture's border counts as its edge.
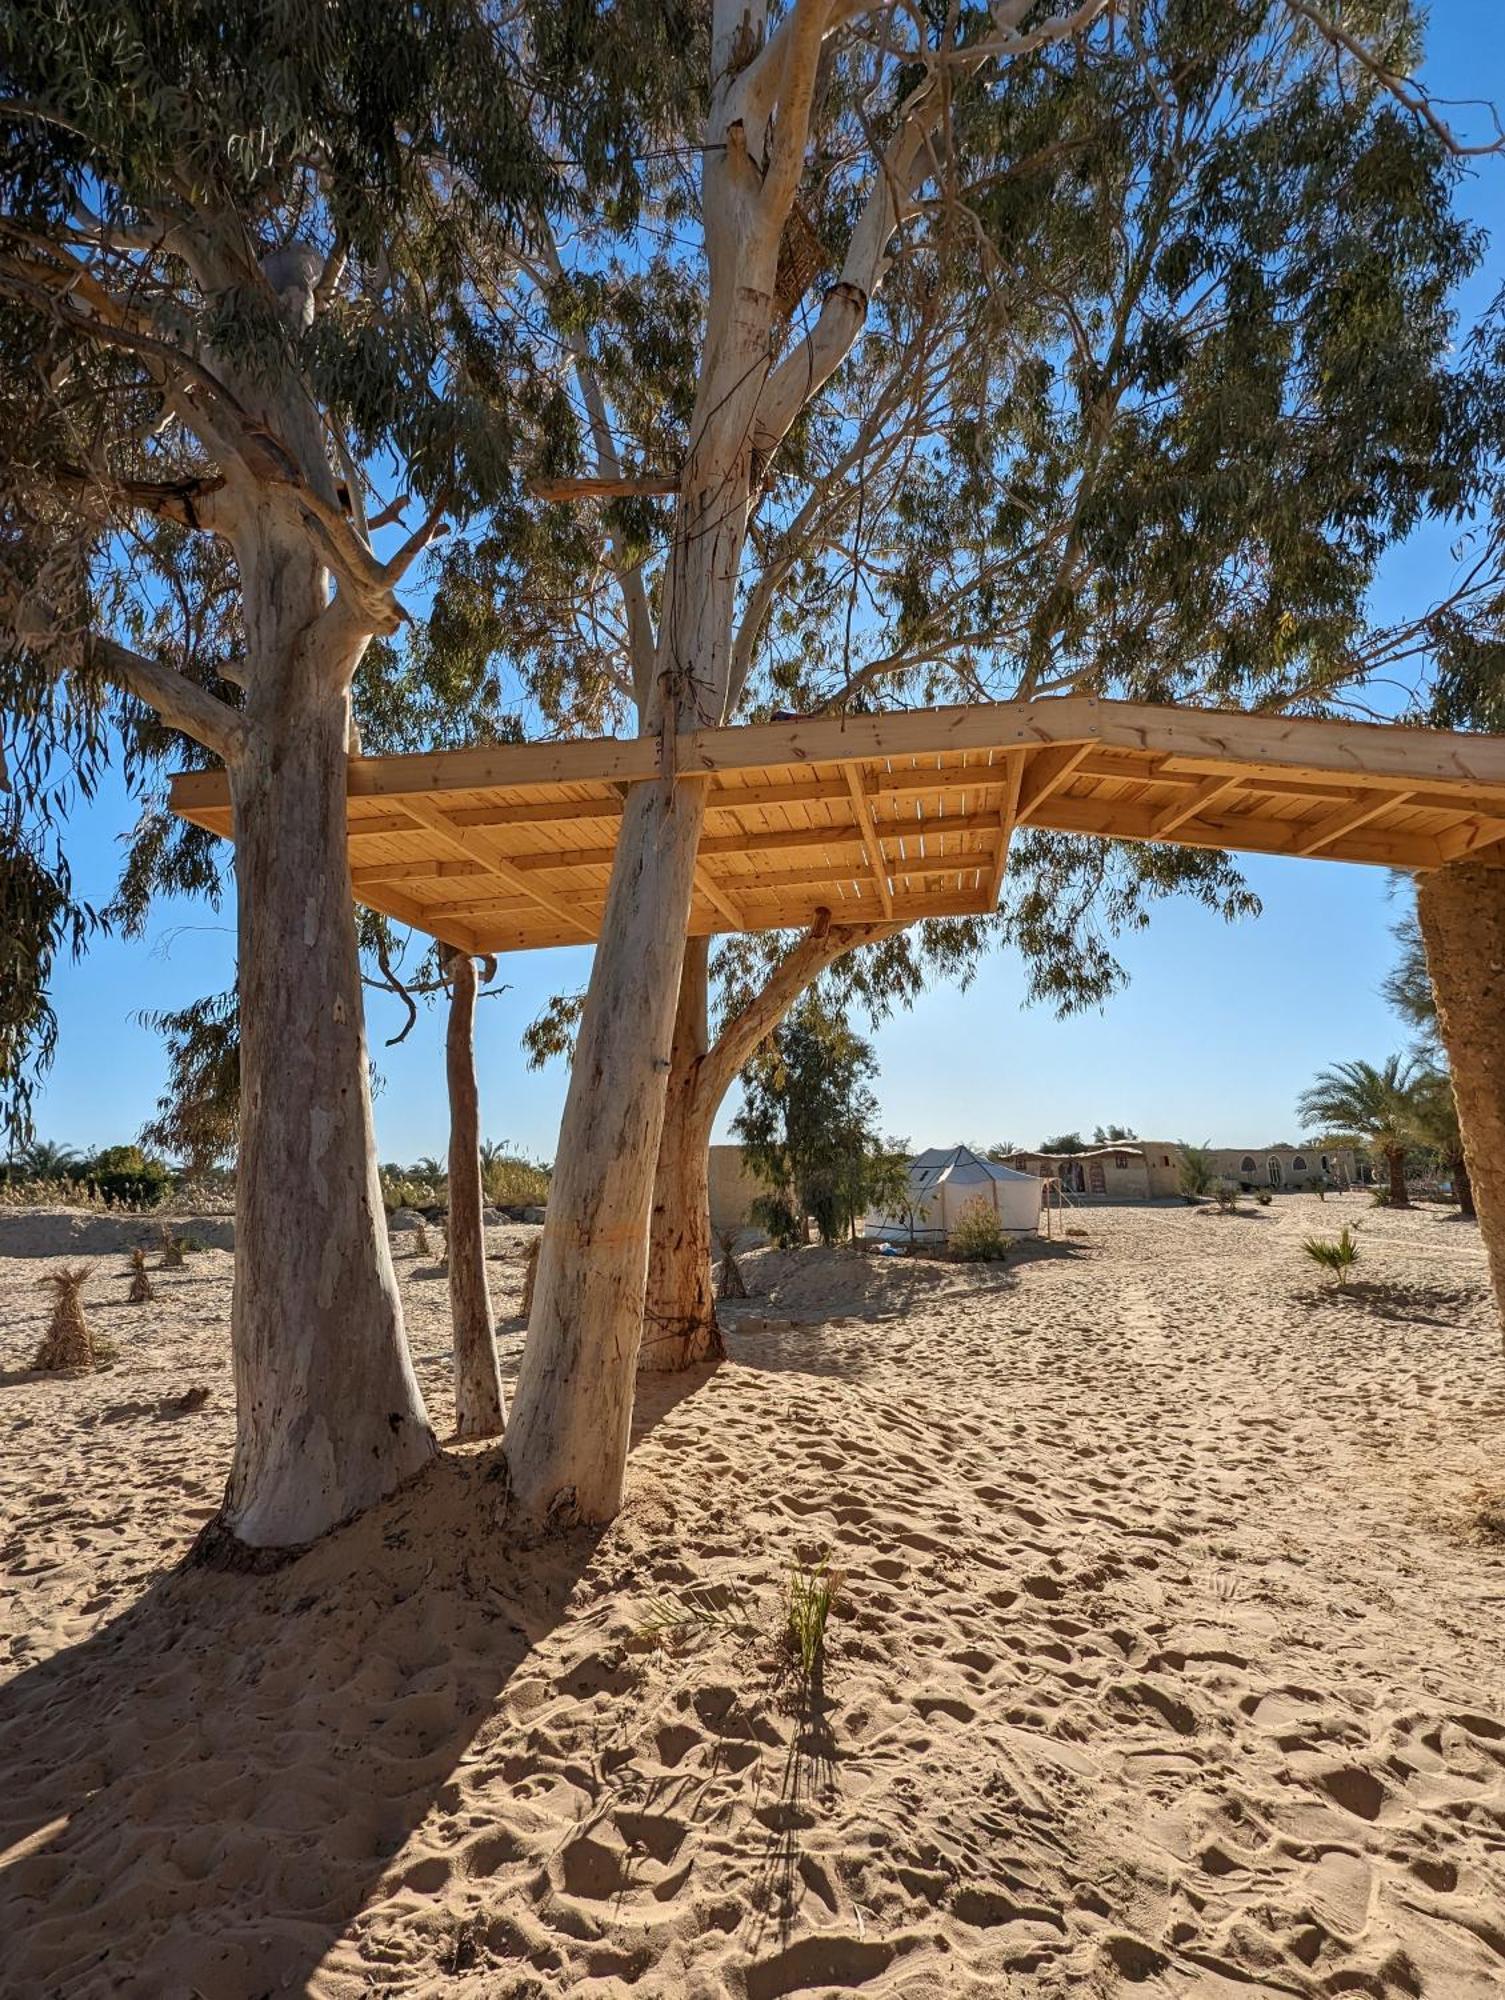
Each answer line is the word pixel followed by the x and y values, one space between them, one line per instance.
pixel 1166 1663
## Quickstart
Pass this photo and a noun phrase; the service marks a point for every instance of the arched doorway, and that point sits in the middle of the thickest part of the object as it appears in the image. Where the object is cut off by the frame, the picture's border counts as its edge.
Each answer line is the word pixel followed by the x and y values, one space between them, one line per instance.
pixel 1274 1171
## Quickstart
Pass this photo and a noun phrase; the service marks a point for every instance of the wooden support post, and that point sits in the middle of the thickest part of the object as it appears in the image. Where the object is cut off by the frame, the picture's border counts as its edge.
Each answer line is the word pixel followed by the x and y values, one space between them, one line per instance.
pixel 1046 772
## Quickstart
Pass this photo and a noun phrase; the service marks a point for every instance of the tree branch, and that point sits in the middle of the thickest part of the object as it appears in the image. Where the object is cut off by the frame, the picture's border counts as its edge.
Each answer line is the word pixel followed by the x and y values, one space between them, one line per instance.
pixel 180 702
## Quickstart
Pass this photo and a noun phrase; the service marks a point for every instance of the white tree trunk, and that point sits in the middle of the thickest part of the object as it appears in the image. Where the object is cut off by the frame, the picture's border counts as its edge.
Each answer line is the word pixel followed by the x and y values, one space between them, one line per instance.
pixel 679 1309
pixel 328 1415
pixel 572 1408
pixel 479 1409
pixel 1462 912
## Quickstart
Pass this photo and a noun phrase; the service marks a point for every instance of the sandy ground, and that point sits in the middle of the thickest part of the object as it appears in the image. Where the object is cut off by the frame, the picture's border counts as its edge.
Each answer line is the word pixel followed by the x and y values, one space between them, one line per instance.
pixel 1169 1656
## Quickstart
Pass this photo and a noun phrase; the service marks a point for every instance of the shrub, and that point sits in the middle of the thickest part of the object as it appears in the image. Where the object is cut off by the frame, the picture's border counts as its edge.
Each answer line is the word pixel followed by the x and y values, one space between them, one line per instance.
pixel 1380 1198
pixel 1264 1197
pixel 512 1181
pixel 1226 1195
pixel 732 1284
pixel 174 1250
pixel 421 1245
pixel 977 1236
pixel 777 1215
pixel 126 1177
pixel 1338 1257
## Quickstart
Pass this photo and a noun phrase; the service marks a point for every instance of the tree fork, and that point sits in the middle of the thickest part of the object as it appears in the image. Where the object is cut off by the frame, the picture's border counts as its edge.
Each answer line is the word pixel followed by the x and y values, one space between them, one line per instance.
pixel 1462 910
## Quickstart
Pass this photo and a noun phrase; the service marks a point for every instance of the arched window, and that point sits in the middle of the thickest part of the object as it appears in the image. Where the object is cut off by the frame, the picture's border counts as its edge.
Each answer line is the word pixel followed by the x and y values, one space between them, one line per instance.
pixel 1298 1165
pixel 1246 1164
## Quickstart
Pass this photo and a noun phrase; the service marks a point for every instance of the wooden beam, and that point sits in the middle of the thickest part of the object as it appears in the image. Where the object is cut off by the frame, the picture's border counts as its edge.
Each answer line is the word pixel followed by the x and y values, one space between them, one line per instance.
pixel 1243 833
pixel 1008 820
pixel 1347 819
pixel 716 898
pixel 448 929
pixel 1218 741
pixel 635 485
pixel 413 871
pixel 869 833
pixel 1192 806
pixel 1471 838
pixel 1046 772
pixel 475 843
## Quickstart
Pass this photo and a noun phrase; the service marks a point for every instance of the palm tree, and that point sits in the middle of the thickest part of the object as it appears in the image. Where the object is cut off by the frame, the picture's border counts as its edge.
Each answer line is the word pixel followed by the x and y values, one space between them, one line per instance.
pixel 1377 1105
pixel 45 1160
pixel 1436 1112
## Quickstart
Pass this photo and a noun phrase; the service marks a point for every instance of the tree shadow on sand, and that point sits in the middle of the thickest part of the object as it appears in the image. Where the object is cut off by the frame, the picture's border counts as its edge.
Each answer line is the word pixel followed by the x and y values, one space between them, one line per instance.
pixel 276 1737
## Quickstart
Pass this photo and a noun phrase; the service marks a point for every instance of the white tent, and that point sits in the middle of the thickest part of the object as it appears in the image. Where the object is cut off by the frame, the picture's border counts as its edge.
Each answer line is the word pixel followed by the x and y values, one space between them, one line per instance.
pixel 943 1181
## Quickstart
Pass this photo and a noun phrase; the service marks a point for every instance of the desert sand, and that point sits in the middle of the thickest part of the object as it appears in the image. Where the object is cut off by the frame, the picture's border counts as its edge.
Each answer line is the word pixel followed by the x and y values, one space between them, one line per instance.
pixel 1169 1656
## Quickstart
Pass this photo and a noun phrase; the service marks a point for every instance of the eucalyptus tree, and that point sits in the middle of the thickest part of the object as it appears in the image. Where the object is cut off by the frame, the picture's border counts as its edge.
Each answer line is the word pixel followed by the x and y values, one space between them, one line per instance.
pixel 242 258
pixel 994 353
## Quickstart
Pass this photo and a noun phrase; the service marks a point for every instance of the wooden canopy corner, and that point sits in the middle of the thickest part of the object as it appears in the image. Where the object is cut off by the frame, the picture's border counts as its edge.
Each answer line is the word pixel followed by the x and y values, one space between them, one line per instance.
pixel 888 818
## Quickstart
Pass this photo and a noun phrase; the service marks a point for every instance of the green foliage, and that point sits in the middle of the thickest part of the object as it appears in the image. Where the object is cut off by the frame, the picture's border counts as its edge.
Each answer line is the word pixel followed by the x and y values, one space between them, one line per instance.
pixel 1063 1142
pixel 779 1219
pixel 812 1593
pixel 127 1176
pixel 808 1122
pixel 977 1236
pixel 1338 1256
pixel 198 1114
pixel 1379 1106
pixel 1196 1173
pixel 1226 1194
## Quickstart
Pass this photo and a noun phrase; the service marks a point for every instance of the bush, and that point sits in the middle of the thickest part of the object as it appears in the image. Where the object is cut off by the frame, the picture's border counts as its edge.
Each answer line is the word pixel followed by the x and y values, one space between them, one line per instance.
pixel 125 1177
pixel 1380 1198
pixel 977 1236
pixel 777 1215
pixel 1226 1195
pixel 511 1181
pixel 1264 1197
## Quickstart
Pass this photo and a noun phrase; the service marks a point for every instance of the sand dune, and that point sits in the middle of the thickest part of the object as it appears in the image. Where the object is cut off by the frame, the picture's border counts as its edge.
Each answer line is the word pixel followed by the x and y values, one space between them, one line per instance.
pixel 1169 1655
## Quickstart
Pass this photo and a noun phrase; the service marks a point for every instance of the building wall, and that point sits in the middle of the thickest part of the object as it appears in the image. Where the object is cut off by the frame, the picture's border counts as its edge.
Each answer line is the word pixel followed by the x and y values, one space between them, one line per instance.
pixel 733 1189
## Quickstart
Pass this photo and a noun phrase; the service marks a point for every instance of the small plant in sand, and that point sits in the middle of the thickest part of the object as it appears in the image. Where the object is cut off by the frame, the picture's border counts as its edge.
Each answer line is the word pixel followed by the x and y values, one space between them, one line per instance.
pixel 1264 1197
pixel 141 1285
pixel 814 1589
pixel 1225 1194
pixel 675 1616
pixel 732 1284
pixel 174 1250
pixel 421 1245
pixel 69 1347
pixel 1194 1176
pixel 977 1235
pixel 1338 1256
pixel 530 1275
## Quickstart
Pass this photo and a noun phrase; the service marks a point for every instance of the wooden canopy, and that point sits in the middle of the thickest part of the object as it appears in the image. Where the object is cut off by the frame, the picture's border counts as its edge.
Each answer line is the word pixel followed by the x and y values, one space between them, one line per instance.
pixel 902 816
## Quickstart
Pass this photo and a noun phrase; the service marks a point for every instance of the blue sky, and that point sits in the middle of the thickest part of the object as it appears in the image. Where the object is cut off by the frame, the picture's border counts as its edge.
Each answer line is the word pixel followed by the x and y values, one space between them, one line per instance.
pixel 1218 1030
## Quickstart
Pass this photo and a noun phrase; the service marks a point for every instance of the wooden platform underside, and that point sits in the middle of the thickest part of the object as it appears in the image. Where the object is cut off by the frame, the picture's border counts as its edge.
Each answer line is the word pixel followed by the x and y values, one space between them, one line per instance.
pixel 898 816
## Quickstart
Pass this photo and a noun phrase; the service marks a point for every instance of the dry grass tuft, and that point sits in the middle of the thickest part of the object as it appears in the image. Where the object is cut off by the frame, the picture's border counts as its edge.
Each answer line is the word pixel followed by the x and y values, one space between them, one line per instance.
pixel 69 1347
pixel 140 1293
pixel 174 1250
pixel 530 1275
pixel 733 1285
pixel 421 1245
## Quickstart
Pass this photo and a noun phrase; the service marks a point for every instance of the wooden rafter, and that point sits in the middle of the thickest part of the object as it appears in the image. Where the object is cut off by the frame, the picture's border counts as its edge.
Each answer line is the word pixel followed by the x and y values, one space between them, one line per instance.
pixel 1348 819
pixel 1008 819
pixel 1210 793
pixel 478 843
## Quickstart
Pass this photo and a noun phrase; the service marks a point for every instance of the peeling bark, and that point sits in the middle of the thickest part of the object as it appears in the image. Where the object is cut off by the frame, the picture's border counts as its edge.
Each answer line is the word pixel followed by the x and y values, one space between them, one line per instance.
pixel 328 1415
pixel 679 1309
pixel 479 1408
pixel 1462 912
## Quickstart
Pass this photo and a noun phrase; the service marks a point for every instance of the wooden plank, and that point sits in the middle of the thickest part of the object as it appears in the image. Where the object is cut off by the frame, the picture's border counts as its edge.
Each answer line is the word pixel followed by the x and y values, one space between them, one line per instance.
pixel 1244 834
pixel 1347 819
pixel 1472 837
pixel 1193 805
pixel 476 843
pixel 869 833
